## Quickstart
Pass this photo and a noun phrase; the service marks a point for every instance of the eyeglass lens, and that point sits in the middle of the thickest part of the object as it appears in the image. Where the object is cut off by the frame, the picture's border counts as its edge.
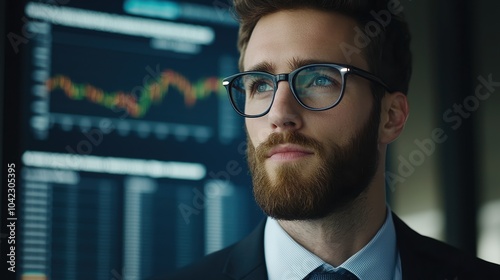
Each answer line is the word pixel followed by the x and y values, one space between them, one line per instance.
pixel 316 87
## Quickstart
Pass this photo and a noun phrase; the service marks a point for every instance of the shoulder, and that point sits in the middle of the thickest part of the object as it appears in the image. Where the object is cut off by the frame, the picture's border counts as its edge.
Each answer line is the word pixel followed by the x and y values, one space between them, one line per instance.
pixel 244 259
pixel 433 259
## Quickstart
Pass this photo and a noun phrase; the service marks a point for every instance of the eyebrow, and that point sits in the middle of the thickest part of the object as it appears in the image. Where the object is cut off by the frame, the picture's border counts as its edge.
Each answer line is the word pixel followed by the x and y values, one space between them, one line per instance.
pixel 296 62
pixel 293 64
pixel 263 66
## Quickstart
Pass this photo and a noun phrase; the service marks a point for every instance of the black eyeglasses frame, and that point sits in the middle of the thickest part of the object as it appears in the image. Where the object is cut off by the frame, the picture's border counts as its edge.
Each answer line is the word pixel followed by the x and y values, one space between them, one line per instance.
pixel 344 70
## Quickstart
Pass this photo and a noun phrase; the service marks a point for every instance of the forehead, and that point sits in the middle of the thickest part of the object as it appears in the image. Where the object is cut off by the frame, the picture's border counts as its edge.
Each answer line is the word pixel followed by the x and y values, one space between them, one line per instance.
pixel 280 38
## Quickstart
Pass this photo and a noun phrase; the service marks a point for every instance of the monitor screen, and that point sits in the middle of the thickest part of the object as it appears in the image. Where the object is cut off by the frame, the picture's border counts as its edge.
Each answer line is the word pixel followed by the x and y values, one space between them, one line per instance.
pixel 128 158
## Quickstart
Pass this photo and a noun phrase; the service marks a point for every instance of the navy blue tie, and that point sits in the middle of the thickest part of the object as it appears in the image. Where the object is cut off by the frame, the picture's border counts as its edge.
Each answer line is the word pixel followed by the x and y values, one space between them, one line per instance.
pixel 340 274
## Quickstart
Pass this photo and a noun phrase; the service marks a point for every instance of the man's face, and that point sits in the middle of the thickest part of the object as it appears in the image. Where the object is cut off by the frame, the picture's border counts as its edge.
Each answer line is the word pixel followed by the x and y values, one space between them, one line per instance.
pixel 306 164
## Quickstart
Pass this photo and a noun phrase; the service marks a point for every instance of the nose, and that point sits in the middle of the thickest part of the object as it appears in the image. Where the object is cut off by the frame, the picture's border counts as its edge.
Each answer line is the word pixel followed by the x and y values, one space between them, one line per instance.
pixel 285 113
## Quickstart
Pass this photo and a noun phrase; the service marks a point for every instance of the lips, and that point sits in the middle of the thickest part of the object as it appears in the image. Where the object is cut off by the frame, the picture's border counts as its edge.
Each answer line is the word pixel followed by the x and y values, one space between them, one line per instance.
pixel 288 152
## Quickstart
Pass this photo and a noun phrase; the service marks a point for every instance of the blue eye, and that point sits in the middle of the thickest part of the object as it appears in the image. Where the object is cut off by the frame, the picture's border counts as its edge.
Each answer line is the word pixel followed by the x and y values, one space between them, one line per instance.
pixel 321 81
pixel 263 87
pixel 258 87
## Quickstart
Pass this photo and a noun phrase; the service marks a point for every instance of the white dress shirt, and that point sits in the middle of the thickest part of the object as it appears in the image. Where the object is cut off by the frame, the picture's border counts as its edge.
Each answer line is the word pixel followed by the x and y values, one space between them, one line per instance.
pixel 287 260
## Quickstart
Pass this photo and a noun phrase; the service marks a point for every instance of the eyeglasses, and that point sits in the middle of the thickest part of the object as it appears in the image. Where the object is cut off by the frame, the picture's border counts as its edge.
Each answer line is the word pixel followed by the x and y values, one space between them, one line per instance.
pixel 317 87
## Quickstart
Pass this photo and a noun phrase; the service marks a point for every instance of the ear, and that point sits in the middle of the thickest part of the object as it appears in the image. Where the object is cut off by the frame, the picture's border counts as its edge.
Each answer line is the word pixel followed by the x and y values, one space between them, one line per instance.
pixel 393 116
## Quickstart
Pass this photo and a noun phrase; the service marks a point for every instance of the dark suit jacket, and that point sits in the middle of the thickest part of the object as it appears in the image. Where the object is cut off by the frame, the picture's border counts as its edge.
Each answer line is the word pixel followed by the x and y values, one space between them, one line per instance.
pixel 421 258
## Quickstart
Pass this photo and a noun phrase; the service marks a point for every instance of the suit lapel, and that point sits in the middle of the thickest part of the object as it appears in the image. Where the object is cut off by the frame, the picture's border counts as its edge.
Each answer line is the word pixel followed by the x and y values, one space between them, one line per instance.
pixel 411 266
pixel 420 258
pixel 246 261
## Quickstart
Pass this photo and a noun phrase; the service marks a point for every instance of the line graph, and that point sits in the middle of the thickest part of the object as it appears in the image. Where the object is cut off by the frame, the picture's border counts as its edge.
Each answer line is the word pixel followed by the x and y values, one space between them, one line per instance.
pixel 138 104
pixel 140 92
pixel 130 111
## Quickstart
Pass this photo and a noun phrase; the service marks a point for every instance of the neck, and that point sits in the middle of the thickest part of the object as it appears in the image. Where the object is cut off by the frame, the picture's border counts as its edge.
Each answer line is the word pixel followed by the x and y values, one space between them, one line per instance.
pixel 340 235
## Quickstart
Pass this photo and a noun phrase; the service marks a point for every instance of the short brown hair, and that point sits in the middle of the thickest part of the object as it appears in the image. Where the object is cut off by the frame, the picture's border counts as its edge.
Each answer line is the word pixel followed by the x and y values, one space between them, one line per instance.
pixel 388 53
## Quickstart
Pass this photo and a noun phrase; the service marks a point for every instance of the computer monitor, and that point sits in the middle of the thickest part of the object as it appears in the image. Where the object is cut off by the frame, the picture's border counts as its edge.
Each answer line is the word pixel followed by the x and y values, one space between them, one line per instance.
pixel 127 156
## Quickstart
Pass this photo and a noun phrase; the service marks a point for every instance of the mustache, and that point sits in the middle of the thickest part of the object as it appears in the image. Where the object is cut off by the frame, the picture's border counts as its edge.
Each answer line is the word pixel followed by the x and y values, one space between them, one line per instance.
pixel 296 138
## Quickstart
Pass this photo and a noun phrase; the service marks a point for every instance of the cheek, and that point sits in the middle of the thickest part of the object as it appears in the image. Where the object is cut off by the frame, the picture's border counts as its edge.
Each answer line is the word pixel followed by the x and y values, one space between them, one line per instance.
pixel 256 130
pixel 347 119
pixel 332 126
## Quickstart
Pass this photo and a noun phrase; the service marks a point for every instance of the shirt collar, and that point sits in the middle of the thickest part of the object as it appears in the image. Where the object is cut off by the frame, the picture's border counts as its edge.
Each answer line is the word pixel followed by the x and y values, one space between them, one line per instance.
pixel 286 259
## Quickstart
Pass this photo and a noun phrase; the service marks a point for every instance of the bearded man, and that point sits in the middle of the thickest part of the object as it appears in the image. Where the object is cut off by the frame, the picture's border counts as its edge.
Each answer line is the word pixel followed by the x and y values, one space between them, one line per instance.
pixel 321 108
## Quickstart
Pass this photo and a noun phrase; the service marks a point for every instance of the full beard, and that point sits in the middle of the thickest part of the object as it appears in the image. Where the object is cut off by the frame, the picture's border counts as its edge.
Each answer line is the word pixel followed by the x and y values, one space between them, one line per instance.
pixel 314 190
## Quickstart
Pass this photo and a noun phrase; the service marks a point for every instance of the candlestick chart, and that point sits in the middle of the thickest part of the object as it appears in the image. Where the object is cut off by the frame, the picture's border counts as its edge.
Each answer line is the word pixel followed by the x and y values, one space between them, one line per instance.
pixel 139 102
pixel 167 103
